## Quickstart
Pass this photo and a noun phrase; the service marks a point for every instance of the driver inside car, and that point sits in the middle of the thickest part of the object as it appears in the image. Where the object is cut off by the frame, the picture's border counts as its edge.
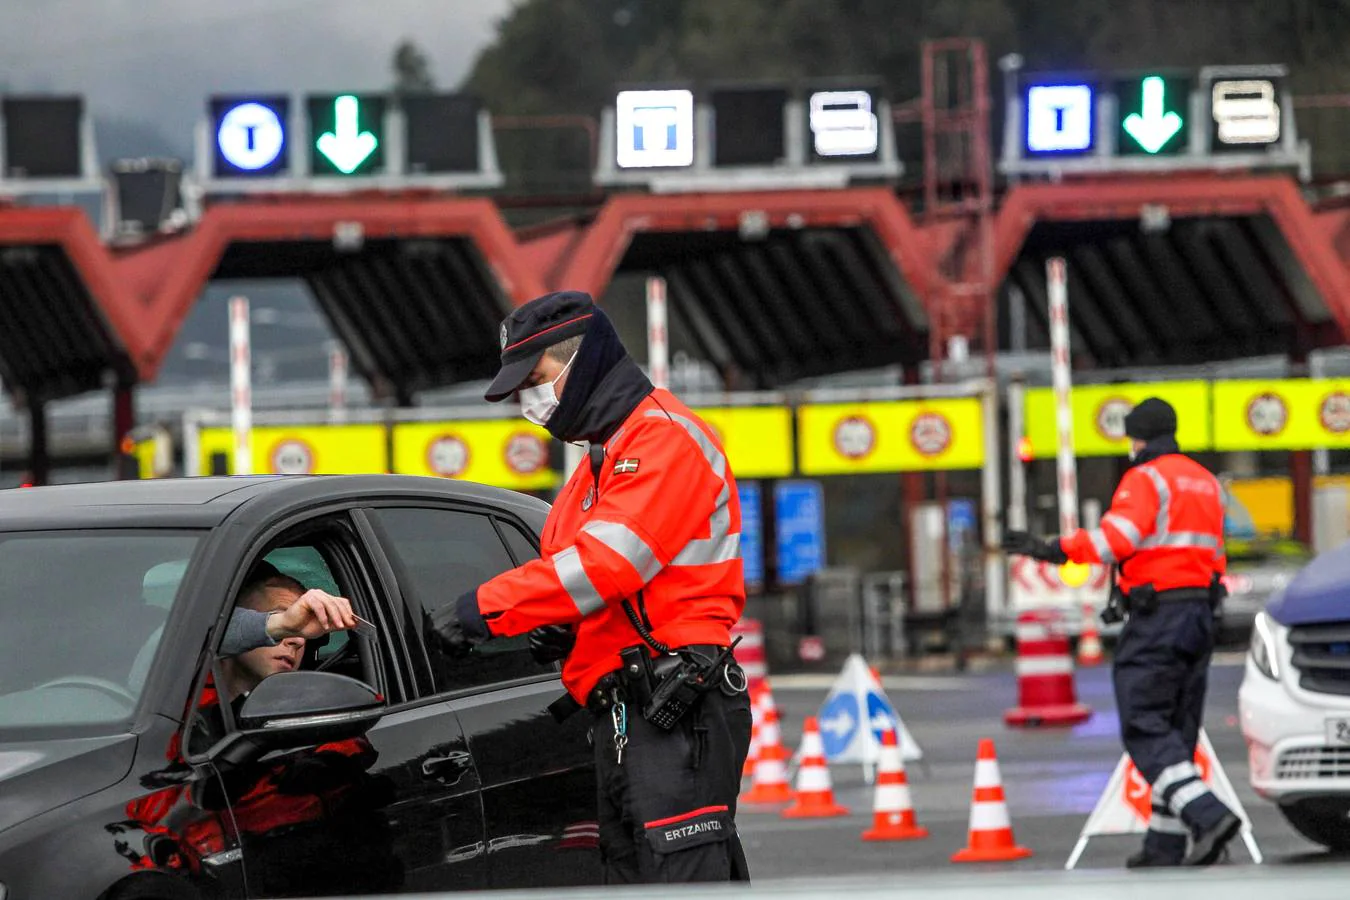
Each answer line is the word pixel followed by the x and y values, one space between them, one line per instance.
pixel 274 608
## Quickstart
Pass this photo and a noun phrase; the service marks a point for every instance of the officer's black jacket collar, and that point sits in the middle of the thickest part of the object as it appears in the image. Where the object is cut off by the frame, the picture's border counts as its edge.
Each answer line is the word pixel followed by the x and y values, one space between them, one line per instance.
pixel 1160 446
pixel 603 387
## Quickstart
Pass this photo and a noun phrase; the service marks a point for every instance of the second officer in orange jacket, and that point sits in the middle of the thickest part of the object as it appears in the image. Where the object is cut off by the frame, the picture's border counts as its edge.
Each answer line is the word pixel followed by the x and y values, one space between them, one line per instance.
pixel 638 585
pixel 1165 533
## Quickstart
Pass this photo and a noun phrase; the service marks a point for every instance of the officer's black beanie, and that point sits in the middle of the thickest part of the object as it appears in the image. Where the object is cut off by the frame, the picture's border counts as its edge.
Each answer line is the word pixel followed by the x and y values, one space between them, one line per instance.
pixel 1153 418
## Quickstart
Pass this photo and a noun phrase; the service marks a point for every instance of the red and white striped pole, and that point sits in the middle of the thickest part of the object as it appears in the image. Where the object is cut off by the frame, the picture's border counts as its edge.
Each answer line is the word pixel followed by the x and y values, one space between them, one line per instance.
pixel 1057 287
pixel 241 386
pixel 658 340
pixel 337 383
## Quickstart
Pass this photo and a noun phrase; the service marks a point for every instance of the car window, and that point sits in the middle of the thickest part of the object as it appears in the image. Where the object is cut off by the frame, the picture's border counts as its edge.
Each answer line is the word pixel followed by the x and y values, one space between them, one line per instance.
pixel 438 555
pixel 320 559
pixel 522 547
pixel 83 612
pixel 306 565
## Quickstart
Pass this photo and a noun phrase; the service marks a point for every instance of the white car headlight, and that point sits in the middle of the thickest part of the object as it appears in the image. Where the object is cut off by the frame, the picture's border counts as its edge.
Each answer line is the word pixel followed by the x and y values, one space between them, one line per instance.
pixel 1265 651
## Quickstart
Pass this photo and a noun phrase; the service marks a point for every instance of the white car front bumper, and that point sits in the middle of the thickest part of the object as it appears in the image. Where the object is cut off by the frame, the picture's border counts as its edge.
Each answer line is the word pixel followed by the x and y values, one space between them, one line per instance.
pixel 1285 728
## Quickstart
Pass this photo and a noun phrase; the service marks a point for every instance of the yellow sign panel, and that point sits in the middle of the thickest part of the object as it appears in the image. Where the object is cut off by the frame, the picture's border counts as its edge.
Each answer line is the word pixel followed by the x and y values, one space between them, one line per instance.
pixel 899 436
pixel 507 453
pixel 1099 416
pixel 302 449
pixel 1291 414
pixel 758 439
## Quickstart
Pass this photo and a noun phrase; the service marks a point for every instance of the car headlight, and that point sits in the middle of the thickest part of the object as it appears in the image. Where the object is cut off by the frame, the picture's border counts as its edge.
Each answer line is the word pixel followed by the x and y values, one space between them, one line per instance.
pixel 1265 651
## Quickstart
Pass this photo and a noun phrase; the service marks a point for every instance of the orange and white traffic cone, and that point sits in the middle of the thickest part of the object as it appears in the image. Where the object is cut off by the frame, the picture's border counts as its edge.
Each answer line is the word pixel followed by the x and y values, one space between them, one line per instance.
pixel 761 732
pixel 892 809
pixel 770 783
pixel 1089 640
pixel 991 834
pixel 815 793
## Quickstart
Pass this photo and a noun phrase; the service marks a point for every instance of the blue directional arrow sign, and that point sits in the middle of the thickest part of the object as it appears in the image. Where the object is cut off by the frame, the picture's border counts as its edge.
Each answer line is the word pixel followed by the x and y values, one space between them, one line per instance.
pixel 839 720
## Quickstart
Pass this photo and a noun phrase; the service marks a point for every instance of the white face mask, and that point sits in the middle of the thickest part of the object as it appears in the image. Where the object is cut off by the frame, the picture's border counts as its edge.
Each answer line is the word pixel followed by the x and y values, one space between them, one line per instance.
pixel 538 403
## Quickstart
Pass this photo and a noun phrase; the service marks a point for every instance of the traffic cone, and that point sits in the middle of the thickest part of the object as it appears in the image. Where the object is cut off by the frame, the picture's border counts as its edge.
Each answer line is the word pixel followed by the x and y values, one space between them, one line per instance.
pixel 892 809
pixel 760 731
pixel 991 834
pixel 1090 640
pixel 1045 690
pixel 815 794
pixel 770 783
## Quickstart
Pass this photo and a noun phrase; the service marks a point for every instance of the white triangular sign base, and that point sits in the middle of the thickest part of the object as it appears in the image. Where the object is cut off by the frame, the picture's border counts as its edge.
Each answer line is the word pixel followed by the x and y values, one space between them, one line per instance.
pixel 857 698
pixel 1118 810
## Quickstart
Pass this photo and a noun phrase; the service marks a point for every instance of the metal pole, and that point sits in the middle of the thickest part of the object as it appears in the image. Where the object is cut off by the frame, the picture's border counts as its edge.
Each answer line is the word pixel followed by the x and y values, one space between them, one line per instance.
pixel 241 391
pixel 1017 470
pixel 991 488
pixel 1321 457
pixel 1057 286
pixel 337 383
pixel 658 339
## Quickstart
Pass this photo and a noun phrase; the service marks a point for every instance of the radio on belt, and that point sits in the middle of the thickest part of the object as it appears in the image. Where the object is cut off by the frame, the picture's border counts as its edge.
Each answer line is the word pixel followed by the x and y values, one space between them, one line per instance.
pixel 681 687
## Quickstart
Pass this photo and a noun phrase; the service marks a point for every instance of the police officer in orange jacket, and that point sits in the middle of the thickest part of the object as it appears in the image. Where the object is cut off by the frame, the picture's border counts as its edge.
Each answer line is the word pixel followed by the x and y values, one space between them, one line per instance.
pixel 1165 533
pixel 637 587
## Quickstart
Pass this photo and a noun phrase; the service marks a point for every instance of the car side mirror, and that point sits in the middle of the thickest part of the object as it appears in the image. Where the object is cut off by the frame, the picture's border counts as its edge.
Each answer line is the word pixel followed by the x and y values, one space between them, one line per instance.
pixel 300 709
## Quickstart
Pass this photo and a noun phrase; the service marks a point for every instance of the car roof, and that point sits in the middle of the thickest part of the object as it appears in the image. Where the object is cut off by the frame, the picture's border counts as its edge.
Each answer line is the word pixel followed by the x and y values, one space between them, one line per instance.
pixel 206 501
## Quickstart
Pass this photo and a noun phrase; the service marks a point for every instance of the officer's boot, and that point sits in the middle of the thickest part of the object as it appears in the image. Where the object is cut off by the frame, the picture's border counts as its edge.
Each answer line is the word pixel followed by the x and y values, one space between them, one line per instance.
pixel 1159 850
pixel 1212 838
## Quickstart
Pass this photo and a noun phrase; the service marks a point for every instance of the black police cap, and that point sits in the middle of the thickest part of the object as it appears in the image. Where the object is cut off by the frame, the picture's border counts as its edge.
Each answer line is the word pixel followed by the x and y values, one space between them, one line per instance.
pixel 533 328
pixel 1152 418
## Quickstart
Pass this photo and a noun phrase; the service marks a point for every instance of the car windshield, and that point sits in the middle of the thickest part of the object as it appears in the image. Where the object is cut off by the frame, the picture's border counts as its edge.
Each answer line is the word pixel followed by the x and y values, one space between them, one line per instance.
pixel 82 614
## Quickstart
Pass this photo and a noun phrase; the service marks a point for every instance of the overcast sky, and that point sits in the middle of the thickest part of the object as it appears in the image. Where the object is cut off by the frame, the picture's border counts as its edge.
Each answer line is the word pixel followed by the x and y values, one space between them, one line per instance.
pixel 151 64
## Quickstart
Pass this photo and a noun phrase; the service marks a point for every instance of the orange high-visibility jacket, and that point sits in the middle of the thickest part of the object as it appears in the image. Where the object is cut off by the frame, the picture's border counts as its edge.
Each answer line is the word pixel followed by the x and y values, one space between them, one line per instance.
pixel 666 523
pixel 1165 527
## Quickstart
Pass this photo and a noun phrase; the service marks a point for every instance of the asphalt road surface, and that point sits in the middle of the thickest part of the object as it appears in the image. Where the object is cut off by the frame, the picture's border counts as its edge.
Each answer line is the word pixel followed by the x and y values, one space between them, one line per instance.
pixel 1052 779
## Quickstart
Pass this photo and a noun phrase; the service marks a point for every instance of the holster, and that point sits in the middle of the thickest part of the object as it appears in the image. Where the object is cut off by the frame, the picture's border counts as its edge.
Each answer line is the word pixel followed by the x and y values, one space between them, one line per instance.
pixel 1142 601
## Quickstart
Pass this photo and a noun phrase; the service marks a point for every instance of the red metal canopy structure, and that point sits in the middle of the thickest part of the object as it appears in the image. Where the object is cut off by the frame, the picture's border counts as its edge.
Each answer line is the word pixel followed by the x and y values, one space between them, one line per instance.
pixel 773 285
pixel 413 286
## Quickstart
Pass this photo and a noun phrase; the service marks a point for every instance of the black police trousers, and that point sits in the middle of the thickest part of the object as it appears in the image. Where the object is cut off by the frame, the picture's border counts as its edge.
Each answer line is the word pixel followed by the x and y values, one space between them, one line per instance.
pixel 1160 673
pixel 667 809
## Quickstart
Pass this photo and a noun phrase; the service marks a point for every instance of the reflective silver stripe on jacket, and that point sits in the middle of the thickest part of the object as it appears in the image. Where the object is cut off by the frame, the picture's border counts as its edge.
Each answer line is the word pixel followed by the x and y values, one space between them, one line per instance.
pixel 1128 530
pixel 575 581
pixel 721 545
pixel 627 543
pixel 1180 539
pixel 1164 499
pixel 1102 545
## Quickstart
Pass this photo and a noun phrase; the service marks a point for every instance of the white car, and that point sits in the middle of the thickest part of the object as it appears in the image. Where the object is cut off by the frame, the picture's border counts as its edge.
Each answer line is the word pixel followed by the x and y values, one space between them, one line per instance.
pixel 1295 701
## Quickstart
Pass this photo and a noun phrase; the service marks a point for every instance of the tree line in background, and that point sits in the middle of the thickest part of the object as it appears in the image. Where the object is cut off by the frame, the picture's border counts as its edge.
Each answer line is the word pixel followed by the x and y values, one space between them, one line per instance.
pixel 567 56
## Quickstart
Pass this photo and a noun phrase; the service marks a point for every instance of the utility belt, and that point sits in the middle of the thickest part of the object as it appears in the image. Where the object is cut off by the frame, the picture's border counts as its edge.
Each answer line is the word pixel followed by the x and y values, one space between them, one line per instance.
pixel 1145 599
pixel 664 687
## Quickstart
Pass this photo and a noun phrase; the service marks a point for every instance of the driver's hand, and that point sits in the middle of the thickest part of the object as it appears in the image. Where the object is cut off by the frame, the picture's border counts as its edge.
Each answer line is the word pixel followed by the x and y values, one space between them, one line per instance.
pixel 315 614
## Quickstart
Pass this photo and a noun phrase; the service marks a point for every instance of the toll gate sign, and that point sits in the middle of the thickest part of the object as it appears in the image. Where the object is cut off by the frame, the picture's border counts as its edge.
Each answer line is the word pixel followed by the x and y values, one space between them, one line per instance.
pixel 249 136
pixel 1153 115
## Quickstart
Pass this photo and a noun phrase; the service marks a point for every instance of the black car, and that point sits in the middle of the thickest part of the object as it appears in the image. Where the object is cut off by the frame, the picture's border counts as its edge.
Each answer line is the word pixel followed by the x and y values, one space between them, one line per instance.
pixel 379 765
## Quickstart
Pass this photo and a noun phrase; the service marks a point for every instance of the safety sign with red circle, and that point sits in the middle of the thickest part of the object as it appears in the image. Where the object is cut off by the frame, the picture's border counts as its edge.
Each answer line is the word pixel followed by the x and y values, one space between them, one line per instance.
pixel 1267 414
pixel 526 453
pixel 1335 412
pixel 292 456
pixel 447 456
pixel 855 437
pixel 930 433
pixel 1110 417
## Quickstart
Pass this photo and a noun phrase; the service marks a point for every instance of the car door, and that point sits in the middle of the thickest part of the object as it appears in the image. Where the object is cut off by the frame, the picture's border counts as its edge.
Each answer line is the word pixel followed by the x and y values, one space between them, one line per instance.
pixel 396 810
pixel 537 774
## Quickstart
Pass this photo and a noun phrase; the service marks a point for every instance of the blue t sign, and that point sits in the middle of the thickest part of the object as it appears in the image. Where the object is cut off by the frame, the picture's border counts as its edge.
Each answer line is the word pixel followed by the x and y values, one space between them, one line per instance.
pixel 1059 118
pixel 249 135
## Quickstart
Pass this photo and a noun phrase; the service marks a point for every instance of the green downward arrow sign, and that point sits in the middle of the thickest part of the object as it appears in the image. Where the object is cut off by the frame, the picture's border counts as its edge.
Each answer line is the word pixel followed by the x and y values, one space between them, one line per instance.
pixel 1154 125
pixel 346 146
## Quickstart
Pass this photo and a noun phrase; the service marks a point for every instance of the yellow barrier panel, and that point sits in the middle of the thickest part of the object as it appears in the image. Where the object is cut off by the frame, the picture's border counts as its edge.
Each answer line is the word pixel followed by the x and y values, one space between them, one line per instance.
pixel 1099 416
pixel 897 436
pixel 758 439
pixel 1290 414
pixel 507 453
pixel 302 449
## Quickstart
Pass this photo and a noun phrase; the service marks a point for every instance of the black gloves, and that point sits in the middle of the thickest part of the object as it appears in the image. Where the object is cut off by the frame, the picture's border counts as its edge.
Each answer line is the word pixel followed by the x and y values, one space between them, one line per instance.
pixel 458 627
pixel 550 643
pixel 1025 544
